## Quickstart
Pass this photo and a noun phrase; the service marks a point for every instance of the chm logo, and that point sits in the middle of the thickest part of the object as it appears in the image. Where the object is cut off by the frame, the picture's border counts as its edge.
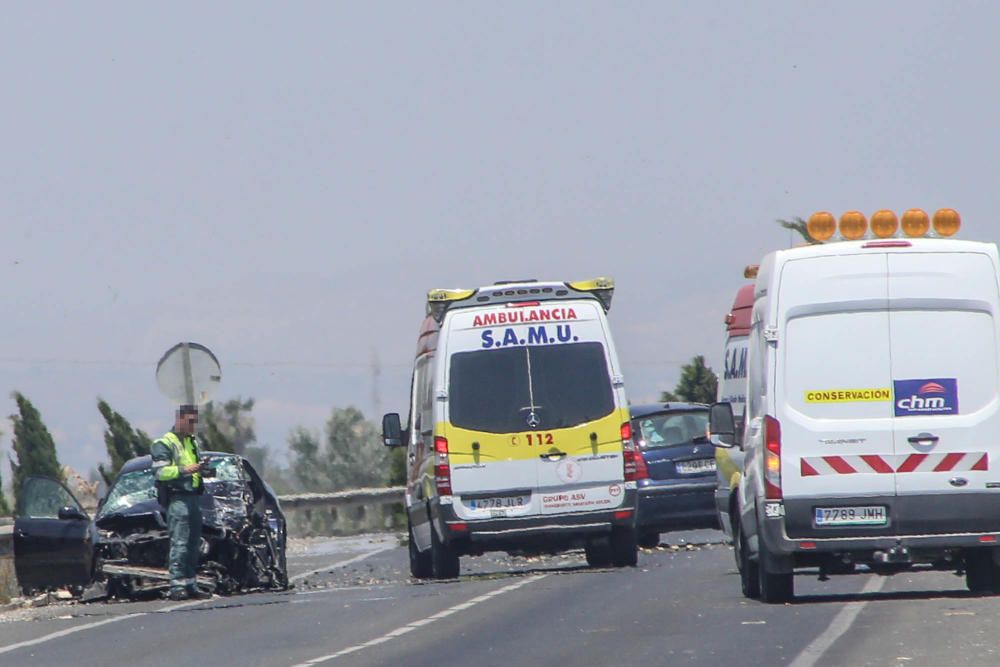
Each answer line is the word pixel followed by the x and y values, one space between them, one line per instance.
pixel 926 396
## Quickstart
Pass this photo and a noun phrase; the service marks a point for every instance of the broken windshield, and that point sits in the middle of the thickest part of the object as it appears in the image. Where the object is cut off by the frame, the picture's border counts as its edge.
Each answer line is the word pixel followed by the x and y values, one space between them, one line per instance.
pixel 130 489
pixel 533 387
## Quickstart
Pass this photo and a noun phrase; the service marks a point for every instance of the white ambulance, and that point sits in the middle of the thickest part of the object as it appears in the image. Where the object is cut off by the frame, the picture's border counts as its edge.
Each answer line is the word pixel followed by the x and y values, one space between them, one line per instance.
pixel 518 436
pixel 732 389
pixel 872 432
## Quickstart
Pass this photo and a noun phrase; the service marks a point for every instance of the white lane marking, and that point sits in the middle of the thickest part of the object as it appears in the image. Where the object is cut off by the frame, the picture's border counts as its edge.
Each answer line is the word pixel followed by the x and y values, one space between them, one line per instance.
pixel 88 626
pixel 840 624
pixel 107 621
pixel 355 559
pixel 410 627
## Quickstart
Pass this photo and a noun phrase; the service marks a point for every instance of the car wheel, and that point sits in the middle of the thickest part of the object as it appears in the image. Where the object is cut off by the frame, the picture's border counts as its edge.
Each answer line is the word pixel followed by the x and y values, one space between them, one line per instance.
pixel 775 587
pixel 981 574
pixel 420 562
pixel 749 578
pixel 598 551
pixel 649 540
pixel 624 549
pixel 444 560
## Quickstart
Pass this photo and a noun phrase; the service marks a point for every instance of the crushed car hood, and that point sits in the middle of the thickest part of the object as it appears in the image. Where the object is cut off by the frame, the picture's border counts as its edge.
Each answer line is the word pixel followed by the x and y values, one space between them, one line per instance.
pixel 222 506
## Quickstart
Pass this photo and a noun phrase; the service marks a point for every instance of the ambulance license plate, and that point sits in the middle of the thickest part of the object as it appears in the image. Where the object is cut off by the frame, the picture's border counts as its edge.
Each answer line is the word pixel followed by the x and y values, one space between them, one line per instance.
pixel 866 515
pixel 692 467
pixel 499 502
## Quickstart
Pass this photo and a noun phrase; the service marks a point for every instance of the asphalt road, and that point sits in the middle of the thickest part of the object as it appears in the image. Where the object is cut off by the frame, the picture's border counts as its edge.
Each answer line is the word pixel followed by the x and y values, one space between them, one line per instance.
pixel 354 604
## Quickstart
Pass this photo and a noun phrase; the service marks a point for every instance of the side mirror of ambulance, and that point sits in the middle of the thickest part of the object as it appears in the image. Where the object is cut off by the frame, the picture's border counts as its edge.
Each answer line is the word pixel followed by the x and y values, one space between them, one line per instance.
pixel 721 425
pixel 392 432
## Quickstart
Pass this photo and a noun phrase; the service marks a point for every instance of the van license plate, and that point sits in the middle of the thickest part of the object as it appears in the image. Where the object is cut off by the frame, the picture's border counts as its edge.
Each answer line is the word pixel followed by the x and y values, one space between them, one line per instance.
pixel 499 502
pixel 692 467
pixel 870 515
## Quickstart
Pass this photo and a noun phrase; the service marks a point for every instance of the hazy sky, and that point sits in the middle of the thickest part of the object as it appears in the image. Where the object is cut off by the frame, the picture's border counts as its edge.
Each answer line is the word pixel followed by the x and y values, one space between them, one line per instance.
pixel 283 182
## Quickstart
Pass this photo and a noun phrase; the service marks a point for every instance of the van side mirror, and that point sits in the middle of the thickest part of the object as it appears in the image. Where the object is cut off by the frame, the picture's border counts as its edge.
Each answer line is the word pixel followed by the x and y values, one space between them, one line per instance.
pixel 392 432
pixel 721 425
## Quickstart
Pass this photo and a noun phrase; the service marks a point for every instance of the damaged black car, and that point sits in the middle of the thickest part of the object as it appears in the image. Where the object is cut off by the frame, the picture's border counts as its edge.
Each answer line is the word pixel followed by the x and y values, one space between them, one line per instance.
pixel 126 546
pixel 243 532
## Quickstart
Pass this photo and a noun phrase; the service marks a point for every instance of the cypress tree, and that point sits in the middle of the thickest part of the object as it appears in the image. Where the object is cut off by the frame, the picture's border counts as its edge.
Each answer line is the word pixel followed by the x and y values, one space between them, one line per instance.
pixel 33 445
pixel 4 507
pixel 698 384
pixel 122 441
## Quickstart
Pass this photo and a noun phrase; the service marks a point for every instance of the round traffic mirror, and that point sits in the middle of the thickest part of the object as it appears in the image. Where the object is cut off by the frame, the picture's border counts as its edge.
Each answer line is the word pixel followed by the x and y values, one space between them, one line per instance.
pixel 188 374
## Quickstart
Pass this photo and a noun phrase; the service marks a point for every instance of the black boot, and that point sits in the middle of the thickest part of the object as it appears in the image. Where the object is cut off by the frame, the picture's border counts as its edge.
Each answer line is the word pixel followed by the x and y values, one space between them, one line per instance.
pixel 196 593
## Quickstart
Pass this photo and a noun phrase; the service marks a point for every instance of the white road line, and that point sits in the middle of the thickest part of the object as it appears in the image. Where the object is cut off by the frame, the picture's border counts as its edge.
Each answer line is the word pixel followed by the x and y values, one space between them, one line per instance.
pixel 334 566
pixel 107 621
pixel 410 627
pixel 88 626
pixel 840 624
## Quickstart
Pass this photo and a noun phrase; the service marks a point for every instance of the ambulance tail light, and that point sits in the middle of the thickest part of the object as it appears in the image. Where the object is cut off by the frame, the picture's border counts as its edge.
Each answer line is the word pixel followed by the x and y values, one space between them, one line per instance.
pixel 629 452
pixel 442 471
pixel 772 458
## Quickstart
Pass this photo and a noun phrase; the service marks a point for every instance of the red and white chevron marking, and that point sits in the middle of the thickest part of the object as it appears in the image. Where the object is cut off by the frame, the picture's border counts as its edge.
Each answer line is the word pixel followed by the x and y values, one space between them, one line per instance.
pixel 896 463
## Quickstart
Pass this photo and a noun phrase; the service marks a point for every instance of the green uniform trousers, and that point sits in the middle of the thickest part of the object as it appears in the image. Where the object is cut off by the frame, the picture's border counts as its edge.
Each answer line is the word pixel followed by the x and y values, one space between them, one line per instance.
pixel 184 524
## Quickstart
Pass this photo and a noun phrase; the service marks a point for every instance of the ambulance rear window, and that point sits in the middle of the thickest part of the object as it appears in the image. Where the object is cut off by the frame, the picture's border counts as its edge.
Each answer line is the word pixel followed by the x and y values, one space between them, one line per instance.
pixel 493 391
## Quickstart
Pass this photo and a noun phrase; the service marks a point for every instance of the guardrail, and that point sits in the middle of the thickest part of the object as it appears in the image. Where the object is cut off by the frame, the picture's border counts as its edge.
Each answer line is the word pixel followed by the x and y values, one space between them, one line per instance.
pixel 8 583
pixel 344 512
pixel 6 540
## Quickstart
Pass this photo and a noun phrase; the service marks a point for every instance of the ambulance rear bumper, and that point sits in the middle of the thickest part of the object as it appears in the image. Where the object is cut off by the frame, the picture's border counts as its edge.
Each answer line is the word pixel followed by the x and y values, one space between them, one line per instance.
pixel 536 531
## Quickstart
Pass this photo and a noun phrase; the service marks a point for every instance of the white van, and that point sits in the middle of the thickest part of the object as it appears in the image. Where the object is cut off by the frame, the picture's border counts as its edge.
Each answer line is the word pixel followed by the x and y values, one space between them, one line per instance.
pixel 872 421
pixel 518 436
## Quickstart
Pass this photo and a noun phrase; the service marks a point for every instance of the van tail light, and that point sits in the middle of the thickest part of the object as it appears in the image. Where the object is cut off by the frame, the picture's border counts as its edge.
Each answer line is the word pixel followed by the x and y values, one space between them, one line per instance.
pixel 442 471
pixel 772 458
pixel 629 452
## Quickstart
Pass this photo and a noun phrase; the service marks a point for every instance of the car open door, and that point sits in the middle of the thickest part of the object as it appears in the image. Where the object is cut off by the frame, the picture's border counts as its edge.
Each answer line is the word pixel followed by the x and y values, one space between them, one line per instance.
pixel 54 539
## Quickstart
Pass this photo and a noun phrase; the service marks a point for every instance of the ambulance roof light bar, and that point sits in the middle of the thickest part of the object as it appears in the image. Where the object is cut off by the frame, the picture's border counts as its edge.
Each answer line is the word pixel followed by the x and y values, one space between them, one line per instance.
pixel 439 301
pixel 822 226
pixel 603 288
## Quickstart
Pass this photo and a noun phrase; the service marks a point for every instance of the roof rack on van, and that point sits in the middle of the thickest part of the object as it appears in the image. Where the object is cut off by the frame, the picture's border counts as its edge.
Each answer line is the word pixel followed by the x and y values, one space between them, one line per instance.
pixel 440 301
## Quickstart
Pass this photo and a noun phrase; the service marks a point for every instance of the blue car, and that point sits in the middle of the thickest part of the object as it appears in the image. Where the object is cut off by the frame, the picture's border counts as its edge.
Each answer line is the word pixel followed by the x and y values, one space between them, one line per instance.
pixel 676 470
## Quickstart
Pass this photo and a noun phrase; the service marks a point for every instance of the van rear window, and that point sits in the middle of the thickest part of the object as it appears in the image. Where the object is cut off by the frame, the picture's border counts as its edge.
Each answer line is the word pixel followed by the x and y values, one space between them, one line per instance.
pixel 509 390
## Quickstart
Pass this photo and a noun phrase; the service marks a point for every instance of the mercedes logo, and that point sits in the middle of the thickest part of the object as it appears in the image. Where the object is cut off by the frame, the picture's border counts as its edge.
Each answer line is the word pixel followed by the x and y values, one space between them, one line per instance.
pixel 533 420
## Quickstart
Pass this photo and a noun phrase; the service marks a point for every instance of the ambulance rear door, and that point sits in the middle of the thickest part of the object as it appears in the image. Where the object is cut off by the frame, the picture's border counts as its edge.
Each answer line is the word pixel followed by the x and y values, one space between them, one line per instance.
pixel 525 383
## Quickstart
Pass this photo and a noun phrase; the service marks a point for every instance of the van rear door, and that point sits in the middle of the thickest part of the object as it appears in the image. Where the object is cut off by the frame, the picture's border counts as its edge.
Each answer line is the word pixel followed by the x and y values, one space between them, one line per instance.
pixel 833 392
pixel 943 319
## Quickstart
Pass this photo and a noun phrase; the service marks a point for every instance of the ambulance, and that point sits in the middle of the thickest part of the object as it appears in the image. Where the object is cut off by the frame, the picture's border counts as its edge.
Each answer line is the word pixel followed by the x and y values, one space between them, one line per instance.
pixel 872 432
pixel 732 390
pixel 518 437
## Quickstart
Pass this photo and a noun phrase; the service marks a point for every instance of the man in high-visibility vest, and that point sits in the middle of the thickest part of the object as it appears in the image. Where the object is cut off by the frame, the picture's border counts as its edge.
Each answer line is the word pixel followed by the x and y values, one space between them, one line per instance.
pixel 177 466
